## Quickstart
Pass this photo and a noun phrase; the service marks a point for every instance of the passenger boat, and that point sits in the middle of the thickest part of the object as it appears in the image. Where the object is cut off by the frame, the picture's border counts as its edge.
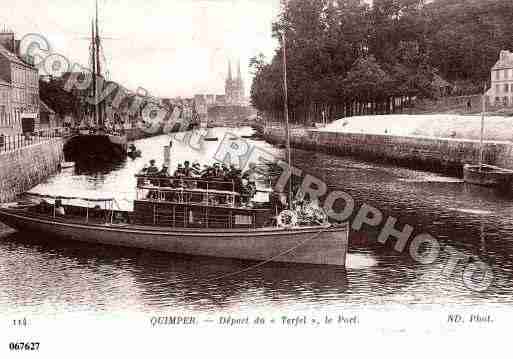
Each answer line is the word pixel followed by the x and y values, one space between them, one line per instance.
pixel 484 174
pixel 184 215
pixel 194 216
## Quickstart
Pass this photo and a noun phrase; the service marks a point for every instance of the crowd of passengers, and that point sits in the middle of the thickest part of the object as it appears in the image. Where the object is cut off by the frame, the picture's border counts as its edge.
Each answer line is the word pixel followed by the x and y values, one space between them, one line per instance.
pixel 218 171
pixel 224 177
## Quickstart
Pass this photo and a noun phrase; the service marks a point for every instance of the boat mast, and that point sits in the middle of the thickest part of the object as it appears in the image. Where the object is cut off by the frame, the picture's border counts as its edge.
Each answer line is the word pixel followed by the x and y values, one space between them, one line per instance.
pixel 286 110
pixel 98 70
pixel 481 143
pixel 93 65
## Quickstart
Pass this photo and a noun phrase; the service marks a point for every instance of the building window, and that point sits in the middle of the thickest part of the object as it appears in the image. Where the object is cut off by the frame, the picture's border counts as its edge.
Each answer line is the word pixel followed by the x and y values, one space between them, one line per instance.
pixel 497 88
pixel 2 115
pixel 505 101
pixel 506 88
pixel 497 75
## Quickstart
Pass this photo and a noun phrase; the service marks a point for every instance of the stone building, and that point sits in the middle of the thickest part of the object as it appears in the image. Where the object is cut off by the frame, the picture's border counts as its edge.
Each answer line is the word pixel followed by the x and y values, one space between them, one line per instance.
pixel 22 79
pixel 5 105
pixel 47 117
pixel 234 87
pixel 221 100
pixel 500 93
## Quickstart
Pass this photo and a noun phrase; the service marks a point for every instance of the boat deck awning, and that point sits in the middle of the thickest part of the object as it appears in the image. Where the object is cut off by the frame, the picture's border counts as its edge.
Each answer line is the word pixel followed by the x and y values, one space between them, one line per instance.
pixel 89 199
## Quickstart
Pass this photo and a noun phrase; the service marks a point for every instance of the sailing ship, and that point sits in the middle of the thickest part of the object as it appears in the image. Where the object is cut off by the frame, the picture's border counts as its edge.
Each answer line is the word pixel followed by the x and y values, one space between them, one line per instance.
pixel 483 174
pixel 94 141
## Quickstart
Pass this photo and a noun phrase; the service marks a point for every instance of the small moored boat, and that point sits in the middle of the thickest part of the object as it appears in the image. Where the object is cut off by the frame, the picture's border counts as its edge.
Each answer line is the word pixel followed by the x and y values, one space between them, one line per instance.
pixel 65 165
pixel 488 176
pixel 482 174
pixel 133 152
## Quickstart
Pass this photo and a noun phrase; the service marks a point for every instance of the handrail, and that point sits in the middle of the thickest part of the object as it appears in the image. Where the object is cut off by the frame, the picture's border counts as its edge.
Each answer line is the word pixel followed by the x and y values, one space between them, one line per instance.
pixel 18 141
pixel 183 181
pixel 192 190
pixel 172 178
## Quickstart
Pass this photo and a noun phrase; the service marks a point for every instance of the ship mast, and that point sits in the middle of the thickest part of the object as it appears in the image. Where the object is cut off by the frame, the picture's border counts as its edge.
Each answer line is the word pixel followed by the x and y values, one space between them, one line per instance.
pixel 98 72
pixel 93 65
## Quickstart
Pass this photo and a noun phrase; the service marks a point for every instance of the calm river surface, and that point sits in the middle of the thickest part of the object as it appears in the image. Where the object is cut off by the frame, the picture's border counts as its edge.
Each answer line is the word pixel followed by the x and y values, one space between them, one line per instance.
pixel 51 277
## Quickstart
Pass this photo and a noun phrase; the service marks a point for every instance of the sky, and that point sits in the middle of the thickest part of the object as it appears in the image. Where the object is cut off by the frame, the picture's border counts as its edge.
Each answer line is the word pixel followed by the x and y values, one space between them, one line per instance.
pixel 168 47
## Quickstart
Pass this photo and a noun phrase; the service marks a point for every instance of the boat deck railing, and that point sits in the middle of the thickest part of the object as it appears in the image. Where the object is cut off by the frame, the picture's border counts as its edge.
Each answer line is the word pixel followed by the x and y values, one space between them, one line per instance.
pixel 189 183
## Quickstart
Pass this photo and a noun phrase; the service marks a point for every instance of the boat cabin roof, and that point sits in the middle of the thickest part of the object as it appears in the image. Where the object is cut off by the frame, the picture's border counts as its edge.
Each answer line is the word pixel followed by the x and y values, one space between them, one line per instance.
pixel 89 199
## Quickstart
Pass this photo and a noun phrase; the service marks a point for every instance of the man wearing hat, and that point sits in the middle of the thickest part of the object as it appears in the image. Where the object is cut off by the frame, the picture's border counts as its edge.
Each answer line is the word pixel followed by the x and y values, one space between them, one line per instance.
pixel 152 169
pixel 164 172
pixel 179 171
pixel 187 169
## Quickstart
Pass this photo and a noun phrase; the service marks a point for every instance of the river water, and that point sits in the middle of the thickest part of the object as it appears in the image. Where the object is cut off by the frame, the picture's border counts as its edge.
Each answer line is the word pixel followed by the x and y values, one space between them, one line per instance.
pixel 49 277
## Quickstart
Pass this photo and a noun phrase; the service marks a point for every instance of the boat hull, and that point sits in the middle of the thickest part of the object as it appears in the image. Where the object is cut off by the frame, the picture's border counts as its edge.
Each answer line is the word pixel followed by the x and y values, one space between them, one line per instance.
pixel 314 245
pixel 96 147
pixel 488 176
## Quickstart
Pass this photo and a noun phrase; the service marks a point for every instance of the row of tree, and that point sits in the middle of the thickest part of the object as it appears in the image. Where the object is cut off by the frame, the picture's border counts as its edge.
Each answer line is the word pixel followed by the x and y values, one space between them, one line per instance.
pixel 346 52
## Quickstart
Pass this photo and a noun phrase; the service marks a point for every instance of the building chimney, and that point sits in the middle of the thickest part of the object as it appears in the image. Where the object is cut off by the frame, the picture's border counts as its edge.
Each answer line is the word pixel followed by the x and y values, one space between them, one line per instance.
pixel 7 40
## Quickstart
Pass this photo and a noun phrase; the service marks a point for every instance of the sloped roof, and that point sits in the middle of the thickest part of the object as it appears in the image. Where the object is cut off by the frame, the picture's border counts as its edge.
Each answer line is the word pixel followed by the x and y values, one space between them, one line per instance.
pixel 43 107
pixel 438 81
pixel 11 57
pixel 505 61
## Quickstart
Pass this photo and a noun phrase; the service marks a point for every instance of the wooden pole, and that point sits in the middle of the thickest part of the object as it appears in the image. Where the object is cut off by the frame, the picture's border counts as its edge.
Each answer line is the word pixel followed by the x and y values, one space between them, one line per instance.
pixel 286 113
pixel 481 143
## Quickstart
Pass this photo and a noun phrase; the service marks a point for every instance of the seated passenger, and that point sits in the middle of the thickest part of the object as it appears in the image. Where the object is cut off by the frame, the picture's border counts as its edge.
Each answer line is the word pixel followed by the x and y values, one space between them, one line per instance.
pixel 187 169
pixel 43 207
pixel 179 171
pixel 246 192
pixel 251 174
pixel 164 172
pixel 59 208
pixel 152 169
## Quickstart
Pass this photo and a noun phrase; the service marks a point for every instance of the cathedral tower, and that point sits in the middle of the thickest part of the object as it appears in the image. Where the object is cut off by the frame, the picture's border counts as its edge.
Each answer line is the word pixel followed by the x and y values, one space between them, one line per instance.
pixel 234 87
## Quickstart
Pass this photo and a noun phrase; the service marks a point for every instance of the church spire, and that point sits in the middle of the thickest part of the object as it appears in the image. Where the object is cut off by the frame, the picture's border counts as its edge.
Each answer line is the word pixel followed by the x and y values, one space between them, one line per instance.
pixel 239 75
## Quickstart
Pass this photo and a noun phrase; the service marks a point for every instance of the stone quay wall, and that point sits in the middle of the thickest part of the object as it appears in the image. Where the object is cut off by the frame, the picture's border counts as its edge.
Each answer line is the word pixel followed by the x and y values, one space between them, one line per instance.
pixel 229 116
pixel 444 155
pixel 26 167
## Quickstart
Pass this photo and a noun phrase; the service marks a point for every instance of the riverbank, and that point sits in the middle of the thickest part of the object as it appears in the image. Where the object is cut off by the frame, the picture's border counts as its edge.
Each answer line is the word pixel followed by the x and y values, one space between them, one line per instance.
pixel 436 154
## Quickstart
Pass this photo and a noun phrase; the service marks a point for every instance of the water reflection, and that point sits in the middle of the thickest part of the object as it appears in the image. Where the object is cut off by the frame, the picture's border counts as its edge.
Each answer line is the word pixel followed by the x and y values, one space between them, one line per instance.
pixel 76 275
pixel 53 277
